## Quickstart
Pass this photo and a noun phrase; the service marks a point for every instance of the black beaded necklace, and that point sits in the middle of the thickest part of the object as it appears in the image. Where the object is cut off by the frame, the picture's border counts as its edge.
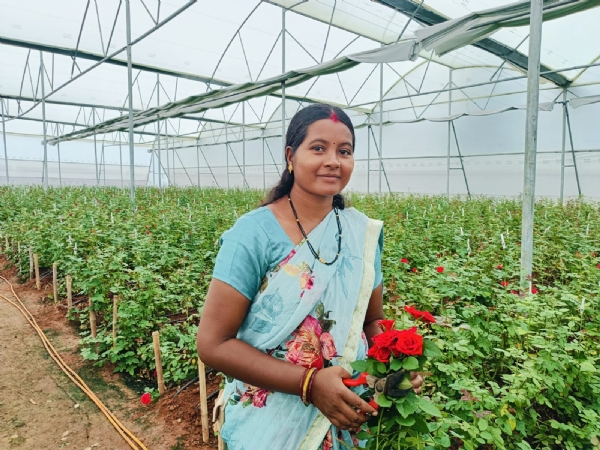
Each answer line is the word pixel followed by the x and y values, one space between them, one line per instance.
pixel 315 254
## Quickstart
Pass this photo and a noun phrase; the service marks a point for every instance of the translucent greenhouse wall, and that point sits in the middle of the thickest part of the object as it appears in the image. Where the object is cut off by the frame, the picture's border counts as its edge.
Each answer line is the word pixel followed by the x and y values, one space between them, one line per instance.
pixel 77 165
pixel 415 157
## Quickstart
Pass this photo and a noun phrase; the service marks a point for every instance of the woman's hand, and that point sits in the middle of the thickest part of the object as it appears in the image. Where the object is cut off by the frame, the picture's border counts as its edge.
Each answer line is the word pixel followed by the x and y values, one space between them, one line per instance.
pixel 338 403
pixel 416 379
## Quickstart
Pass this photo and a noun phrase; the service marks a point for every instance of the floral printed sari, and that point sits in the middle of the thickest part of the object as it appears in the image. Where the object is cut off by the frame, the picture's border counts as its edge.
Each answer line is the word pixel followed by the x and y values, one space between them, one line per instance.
pixel 309 314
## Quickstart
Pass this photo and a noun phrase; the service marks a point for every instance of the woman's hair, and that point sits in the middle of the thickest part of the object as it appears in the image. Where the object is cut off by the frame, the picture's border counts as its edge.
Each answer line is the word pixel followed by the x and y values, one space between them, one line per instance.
pixel 296 133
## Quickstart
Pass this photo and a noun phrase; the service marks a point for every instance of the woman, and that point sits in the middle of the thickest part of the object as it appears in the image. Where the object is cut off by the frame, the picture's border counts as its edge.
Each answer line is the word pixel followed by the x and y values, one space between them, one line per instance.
pixel 296 292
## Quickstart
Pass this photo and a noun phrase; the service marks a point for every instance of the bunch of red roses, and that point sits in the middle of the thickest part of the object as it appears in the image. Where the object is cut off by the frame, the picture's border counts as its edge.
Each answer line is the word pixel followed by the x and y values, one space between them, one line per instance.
pixel 399 342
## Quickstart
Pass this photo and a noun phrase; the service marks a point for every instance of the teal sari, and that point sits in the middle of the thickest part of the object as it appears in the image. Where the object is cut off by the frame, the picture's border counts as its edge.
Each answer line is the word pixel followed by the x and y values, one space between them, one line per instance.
pixel 309 314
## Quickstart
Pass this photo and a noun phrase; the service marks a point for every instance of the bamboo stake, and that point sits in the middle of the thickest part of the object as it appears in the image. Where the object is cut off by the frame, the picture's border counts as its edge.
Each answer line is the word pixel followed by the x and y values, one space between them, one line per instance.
pixel 19 247
pixel 159 372
pixel 203 400
pixel 55 281
pixel 92 320
pixel 115 302
pixel 69 292
pixel 30 264
pixel 36 266
pixel 6 241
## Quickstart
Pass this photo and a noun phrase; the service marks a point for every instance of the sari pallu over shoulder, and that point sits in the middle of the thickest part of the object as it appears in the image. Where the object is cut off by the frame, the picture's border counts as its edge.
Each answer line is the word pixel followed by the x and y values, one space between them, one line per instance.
pixel 309 314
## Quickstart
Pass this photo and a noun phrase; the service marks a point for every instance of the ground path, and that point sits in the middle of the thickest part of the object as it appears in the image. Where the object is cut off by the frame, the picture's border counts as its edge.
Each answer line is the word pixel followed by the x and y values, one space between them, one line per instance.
pixel 40 408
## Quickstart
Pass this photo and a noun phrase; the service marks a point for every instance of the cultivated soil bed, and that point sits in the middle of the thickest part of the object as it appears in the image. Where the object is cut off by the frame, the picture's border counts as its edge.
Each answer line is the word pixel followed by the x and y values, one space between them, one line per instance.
pixel 40 408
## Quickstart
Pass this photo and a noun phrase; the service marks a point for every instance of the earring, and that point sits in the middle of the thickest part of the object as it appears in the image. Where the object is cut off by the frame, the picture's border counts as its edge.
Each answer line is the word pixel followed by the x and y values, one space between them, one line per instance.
pixel 290 168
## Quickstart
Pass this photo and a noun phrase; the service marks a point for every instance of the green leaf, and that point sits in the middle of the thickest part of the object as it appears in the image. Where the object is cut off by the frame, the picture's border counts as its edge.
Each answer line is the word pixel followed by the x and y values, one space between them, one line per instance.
pixel 396 365
pixel 383 401
pixel 381 368
pixel 405 421
pixel 587 366
pixel 405 408
pixel 420 425
pixel 482 424
pixel 410 363
pixel 359 366
pixel 430 349
pixel 428 407
pixel 486 435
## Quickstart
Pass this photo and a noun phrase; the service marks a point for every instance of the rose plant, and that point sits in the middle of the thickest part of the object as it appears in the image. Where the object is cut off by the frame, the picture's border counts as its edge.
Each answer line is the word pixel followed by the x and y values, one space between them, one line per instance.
pixel 401 421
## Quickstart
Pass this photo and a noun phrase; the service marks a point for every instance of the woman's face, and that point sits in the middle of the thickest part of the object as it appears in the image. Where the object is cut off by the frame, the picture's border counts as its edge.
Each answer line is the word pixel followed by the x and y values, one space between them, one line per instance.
pixel 324 162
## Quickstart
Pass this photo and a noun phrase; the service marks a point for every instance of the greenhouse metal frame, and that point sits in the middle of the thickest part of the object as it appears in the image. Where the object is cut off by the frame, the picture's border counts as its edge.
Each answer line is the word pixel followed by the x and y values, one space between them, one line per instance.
pixel 368 41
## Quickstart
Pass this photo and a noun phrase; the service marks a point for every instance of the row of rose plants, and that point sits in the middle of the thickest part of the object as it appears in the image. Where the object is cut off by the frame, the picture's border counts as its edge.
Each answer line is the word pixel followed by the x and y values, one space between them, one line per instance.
pixel 518 366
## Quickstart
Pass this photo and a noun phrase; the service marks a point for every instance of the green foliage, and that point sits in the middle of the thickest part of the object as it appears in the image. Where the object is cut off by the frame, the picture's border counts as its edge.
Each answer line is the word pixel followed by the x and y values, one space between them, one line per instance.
pixel 515 371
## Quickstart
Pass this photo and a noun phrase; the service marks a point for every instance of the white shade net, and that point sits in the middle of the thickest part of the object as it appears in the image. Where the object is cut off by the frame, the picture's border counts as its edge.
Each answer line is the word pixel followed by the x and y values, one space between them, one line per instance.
pixel 213 45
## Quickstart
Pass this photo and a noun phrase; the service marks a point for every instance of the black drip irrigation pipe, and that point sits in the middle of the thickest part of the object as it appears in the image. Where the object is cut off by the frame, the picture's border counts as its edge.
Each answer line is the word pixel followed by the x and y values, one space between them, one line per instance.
pixel 189 383
pixel 80 301
pixel 209 397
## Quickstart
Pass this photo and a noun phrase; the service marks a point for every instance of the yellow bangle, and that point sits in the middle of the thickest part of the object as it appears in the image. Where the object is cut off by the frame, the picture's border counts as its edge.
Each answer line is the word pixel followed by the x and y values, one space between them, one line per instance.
pixel 305 385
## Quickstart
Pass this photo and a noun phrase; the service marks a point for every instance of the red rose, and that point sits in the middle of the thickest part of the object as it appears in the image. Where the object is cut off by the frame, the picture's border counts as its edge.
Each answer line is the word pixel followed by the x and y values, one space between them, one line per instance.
pixel 439 256
pixel 404 261
pixel 534 290
pixel 598 266
pixel 409 342
pixel 439 269
pixel 386 325
pixel 145 398
pixel 499 266
pixel 425 315
pixel 514 292
pixel 385 340
pixel 381 354
pixel 504 283
pixel 414 269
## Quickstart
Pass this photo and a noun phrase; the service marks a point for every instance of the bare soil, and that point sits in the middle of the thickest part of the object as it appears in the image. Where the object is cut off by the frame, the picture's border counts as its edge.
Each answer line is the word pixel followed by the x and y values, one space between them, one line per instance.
pixel 40 408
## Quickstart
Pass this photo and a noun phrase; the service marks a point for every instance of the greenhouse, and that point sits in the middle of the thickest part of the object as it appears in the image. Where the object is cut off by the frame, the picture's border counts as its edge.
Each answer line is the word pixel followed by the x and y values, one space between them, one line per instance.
pixel 135 133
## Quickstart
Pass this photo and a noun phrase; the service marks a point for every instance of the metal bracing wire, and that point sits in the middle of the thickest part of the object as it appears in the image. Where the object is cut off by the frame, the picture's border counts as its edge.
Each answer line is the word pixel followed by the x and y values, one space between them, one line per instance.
pixel 462 165
pixel 87 7
pixel 112 30
pixel 381 166
pixel 572 149
pixel 209 168
pixel 328 29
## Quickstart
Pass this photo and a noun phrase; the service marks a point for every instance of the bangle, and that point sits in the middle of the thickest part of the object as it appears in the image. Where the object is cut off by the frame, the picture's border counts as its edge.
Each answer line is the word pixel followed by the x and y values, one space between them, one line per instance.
pixel 306 380
pixel 310 383
pixel 302 381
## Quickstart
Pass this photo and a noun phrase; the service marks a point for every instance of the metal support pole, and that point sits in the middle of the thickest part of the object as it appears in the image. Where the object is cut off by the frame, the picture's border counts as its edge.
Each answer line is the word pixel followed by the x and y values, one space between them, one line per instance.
pixel 158 132
pixel 58 150
pixel 573 150
pixel 103 164
pixel 153 169
pixel 245 183
pixel 562 156
pixel 4 140
pixel 533 93
pixel 168 165
pixel 449 140
pixel 283 87
pixel 198 160
pixel 129 89
pixel 263 163
pixel 227 152
pixel 44 122
pixel 95 149
pixel 368 159
pixel 121 159
pixel 380 150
